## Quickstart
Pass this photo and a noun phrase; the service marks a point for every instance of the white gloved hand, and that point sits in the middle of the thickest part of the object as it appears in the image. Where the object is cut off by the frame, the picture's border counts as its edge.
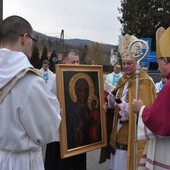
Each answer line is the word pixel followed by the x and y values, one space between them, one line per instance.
pixel 124 111
pixel 111 100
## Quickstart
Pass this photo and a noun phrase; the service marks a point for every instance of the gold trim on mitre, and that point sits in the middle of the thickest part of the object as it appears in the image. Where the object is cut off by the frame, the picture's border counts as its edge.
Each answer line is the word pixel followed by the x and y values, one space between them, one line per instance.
pixel 125 43
pixel 163 42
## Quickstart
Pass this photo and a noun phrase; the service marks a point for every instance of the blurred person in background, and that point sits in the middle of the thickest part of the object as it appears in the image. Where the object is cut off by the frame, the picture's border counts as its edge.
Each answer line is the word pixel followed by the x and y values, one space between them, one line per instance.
pixel 159 85
pixel 112 78
pixel 47 73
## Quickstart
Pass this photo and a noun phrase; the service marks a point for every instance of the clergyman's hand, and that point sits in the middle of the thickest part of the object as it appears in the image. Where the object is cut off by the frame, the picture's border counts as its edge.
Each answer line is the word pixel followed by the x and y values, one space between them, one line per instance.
pixel 105 107
pixel 136 105
pixel 61 113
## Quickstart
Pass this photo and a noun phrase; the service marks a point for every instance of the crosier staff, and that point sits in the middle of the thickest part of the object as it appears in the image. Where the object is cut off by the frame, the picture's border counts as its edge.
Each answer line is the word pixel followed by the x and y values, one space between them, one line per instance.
pixel 141 51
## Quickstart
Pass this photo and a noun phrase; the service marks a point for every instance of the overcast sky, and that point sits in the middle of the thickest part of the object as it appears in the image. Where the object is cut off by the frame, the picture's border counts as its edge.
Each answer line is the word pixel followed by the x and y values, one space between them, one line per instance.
pixel 94 20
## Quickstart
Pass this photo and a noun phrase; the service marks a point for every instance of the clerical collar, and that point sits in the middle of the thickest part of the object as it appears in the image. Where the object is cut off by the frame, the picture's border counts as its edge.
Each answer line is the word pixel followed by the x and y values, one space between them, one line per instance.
pixel 129 77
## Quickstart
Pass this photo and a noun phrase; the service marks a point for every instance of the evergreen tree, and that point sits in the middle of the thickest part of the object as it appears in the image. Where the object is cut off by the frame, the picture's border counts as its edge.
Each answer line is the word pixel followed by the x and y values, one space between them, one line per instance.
pixel 52 64
pixel 35 60
pixel 44 55
pixel 83 54
pixel 143 17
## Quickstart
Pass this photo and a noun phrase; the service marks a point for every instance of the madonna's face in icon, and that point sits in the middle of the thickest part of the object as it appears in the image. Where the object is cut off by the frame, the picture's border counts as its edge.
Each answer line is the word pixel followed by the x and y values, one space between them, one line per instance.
pixel 82 90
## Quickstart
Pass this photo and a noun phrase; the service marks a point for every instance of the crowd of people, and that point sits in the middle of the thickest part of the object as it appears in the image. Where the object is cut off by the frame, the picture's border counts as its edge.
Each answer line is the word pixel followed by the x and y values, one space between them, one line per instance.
pixel 31 113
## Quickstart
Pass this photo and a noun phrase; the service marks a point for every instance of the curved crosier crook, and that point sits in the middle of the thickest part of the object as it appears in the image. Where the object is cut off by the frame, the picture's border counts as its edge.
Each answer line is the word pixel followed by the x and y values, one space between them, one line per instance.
pixel 139 45
pixel 137 51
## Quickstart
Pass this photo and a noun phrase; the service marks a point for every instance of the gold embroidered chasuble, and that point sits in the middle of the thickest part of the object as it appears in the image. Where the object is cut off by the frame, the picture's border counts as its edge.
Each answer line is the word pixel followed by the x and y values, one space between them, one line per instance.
pixel 126 134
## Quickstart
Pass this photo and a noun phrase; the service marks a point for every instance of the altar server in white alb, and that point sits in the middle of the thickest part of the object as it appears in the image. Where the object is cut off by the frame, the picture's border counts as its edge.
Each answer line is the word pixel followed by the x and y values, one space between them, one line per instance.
pixel 29 112
pixel 159 85
pixel 47 73
pixel 112 78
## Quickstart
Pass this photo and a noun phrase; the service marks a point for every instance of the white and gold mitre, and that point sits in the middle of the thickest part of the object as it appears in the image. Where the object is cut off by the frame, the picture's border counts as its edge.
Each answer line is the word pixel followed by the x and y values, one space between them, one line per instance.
pixel 163 42
pixel 124 47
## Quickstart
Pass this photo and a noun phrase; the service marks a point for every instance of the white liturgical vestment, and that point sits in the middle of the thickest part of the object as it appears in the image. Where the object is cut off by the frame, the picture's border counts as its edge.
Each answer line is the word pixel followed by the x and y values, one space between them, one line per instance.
pixel 156 155
pixel 29 115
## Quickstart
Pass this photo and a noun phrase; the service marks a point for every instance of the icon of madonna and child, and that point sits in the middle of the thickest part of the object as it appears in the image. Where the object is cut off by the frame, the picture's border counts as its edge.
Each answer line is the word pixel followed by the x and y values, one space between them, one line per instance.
pixel 83 120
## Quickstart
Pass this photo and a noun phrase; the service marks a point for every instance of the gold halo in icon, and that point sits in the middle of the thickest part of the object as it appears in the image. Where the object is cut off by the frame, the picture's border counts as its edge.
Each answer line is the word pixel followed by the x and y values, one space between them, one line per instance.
pixel 73 82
